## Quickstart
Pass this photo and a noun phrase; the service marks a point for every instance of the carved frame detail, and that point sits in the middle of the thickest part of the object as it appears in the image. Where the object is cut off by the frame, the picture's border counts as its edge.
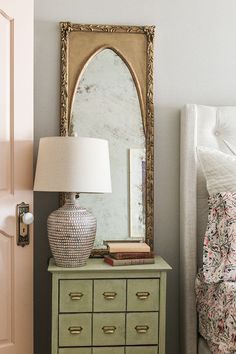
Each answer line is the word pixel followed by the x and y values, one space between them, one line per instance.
pixel 68 27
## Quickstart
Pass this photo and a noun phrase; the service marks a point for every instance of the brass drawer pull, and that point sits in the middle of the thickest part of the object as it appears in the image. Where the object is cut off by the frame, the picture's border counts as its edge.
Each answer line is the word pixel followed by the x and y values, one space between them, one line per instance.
pixel 142 329
pixel 109 329
pixel 76 296
pixel 109 295
pixel 75 329
pixel 142 295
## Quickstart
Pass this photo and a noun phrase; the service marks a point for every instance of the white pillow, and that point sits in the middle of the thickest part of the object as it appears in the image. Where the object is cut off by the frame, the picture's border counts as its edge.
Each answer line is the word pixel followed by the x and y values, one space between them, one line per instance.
pixel 219 170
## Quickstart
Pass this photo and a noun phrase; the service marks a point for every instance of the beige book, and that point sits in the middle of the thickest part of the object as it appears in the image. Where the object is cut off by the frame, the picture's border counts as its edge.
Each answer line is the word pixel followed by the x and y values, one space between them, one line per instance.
pixel 128 247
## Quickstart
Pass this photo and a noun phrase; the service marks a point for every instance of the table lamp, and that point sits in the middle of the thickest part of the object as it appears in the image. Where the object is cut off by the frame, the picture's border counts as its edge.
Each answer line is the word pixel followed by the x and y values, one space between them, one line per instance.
pixel 72 165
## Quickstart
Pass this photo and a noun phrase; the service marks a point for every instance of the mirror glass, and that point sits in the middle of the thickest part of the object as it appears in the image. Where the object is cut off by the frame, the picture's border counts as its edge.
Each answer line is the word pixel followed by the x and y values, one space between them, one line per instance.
pixel 106 105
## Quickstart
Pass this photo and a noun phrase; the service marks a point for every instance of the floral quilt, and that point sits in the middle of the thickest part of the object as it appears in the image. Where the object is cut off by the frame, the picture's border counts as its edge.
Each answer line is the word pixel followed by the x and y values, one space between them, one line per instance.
pixel 219 250
pixel 216 306
pixel 216 283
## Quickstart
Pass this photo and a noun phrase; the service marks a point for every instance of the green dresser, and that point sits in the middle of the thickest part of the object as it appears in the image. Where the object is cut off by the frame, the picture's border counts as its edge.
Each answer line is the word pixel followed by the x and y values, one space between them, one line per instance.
pixel 99 309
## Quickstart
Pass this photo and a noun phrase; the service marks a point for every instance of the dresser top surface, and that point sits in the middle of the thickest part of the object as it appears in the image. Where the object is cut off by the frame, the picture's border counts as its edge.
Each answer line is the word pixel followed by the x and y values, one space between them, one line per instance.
pixel 97 264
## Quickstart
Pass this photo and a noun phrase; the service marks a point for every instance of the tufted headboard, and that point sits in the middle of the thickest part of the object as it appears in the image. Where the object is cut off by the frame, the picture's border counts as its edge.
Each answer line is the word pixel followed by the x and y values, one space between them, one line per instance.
pixel 212 127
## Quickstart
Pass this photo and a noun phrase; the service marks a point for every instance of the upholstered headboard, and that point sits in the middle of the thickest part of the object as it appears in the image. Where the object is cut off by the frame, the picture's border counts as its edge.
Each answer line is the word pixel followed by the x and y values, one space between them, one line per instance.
pixel 212 127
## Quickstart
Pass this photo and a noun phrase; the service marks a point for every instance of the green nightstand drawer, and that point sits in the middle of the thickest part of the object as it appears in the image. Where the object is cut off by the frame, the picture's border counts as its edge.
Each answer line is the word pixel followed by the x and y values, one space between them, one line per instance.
pixel 109 295
pixel 142 328
pixel 75 296
pixel 111 350
pixel 75 330
pixel 141 350
pixel 108 329
pixel 143 295
pixel 75 351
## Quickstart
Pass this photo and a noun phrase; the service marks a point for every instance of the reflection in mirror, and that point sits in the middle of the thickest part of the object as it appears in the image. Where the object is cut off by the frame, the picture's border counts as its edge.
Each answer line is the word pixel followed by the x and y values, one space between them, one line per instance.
pixel 106 105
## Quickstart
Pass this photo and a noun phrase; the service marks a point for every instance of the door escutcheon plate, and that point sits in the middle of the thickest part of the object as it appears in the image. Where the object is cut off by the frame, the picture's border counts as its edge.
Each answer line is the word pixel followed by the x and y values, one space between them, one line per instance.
pixel 22 229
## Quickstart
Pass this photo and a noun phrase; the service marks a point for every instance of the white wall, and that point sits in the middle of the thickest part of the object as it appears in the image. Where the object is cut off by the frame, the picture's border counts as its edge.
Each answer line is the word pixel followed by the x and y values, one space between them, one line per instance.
pixel 195 62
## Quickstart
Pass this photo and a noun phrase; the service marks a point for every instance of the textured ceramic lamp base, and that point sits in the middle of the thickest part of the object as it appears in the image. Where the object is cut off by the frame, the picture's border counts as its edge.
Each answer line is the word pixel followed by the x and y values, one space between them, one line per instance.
pixel 71 233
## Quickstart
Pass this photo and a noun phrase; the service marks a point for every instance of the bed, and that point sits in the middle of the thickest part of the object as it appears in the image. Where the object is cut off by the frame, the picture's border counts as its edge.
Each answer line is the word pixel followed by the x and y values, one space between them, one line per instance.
pixel 213 127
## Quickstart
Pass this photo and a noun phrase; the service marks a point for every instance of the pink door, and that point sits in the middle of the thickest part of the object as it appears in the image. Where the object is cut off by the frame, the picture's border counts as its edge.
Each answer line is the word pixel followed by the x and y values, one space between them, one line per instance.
pixel 16 139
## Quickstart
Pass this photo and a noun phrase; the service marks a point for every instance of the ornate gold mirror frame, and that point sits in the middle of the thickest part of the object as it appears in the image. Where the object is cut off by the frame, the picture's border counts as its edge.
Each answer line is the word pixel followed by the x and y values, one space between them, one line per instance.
pixel 134 44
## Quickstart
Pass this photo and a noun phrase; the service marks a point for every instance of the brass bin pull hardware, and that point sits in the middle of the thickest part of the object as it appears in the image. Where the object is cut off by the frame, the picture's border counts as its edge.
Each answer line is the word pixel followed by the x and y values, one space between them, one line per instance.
pixel 109 329
pixel 75 329
pixel 142 328
pixel 76 296
pixel 142 295
pixel 109 295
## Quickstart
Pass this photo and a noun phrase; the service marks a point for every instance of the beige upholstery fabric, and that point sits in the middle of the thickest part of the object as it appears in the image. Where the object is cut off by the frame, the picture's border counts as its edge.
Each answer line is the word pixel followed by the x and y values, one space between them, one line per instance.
pixel 211 127
pixel 203 347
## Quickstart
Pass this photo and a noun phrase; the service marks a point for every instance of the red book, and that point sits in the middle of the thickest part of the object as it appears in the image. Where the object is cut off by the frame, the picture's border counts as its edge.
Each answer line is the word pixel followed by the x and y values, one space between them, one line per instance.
pixel 121 262
pixel 132 255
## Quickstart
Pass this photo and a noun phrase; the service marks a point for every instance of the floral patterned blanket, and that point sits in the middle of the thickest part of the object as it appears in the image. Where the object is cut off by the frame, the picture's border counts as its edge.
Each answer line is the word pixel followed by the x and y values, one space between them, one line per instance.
pixel 216 306
pixel 216 282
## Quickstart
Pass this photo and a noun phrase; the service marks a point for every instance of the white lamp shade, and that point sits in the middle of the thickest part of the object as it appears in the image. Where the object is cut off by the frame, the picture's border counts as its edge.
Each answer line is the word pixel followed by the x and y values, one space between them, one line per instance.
pixel 71 164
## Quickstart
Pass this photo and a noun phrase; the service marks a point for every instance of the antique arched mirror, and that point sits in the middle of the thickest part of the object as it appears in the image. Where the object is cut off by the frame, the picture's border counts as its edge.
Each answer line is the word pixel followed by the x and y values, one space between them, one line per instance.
pixel 107 92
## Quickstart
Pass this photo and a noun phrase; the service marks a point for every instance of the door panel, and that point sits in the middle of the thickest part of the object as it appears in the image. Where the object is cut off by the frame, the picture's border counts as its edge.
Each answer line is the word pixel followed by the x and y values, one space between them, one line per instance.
pixel 6 179
pixel 6 294
pixel 16 148
pixel 6 112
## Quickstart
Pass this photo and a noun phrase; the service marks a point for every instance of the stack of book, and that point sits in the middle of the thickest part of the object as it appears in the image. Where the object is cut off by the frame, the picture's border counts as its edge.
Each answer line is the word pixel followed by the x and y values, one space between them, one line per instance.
pixel 128 253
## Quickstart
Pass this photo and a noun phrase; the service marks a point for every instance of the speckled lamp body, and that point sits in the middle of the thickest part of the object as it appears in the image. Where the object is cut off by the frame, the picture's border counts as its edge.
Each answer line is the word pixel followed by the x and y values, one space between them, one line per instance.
pixel 71 233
